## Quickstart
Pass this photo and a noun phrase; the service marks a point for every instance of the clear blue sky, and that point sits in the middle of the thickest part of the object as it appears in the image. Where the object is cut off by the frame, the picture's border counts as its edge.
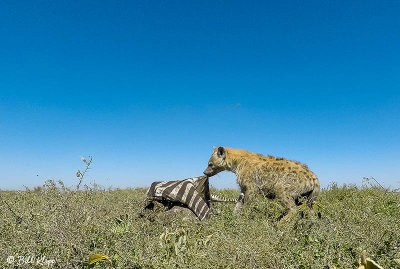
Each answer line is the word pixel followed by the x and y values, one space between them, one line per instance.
pixel 147 87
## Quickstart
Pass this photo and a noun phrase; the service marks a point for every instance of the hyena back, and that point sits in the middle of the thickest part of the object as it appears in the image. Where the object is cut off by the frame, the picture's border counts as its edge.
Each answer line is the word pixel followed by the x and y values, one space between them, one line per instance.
pixel 277 178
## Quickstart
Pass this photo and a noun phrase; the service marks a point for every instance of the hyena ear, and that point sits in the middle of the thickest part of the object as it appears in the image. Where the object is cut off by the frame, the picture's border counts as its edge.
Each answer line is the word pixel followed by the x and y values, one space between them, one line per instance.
pixel 214 147
pixel 221 152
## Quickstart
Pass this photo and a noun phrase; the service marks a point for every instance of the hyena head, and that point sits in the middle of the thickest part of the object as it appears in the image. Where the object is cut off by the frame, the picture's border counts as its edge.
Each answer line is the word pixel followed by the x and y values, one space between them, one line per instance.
pixel 217 162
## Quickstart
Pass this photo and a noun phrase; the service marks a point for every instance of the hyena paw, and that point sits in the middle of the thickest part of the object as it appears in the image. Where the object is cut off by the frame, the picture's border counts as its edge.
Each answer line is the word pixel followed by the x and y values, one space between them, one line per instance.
pixel 238 208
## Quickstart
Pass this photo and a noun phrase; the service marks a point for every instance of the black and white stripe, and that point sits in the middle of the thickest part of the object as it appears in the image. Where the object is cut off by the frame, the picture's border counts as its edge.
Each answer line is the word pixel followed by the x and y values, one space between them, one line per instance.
pixel 216 198
pixel 192 192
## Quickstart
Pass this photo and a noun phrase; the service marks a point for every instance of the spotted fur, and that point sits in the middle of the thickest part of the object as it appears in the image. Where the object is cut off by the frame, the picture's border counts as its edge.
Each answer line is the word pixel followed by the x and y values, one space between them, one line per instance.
pixel 277 178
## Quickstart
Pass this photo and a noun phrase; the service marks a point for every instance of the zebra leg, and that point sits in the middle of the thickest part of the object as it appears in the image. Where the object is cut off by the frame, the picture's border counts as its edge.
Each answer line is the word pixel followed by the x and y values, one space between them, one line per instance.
pixel 149 205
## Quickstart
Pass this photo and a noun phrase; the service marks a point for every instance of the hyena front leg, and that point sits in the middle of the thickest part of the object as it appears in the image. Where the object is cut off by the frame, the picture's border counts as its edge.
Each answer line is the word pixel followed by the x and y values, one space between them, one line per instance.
pixel 238 207
pixel 239 203
pixel 246 196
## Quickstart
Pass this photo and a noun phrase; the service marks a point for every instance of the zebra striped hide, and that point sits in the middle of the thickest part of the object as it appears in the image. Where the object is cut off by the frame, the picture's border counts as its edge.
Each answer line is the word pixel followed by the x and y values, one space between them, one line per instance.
pixel 216 198
pixel 192 192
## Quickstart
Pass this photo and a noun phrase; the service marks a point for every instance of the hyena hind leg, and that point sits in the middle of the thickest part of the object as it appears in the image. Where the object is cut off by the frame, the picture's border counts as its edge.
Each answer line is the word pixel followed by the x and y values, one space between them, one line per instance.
pixel 290 207
pixel 308 199
pixel 312 203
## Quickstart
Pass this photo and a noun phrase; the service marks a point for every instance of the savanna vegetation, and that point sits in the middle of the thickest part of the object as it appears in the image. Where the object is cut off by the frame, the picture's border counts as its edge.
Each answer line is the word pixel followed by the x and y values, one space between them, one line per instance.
pixel 70 226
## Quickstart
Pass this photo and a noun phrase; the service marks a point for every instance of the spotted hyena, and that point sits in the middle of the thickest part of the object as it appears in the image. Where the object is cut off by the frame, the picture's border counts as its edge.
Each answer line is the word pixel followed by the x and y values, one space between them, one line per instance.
pixel 276 178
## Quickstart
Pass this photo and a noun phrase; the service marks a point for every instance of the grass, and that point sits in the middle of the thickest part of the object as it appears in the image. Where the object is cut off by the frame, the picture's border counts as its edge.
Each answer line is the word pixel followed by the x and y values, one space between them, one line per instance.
pixel 70 226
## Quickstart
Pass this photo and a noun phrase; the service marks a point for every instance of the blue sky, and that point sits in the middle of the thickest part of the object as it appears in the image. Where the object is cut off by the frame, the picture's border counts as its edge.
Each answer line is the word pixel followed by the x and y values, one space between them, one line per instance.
pixel 147 87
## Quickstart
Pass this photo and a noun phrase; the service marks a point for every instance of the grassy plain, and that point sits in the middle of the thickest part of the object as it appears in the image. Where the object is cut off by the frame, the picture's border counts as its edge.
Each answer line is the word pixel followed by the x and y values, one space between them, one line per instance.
pixel 70 226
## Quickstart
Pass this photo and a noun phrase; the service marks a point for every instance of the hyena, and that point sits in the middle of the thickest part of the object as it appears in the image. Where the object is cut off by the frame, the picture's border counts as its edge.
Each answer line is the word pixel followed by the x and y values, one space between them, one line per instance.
pixel 277 178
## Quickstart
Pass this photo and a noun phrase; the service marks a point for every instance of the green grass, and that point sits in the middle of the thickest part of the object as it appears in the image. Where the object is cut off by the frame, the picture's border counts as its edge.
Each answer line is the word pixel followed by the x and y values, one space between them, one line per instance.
pixel 70 226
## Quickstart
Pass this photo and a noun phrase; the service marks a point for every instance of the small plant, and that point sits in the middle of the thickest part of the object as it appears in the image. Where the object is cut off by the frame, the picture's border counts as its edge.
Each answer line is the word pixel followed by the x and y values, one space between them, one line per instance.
pixel 80 175
pixel 366 263
pixel 18 219
pixel 99 257
pixel 175 244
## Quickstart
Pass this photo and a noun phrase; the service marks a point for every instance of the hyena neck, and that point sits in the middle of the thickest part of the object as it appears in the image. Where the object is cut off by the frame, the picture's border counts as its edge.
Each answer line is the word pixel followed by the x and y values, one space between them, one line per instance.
pixel 233 160
pixel 231 166
pixel 235 167
pixel 239 162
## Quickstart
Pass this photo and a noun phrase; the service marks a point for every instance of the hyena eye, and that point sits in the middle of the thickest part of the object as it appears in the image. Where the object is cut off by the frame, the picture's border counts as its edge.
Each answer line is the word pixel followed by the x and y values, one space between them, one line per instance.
pixel 210 165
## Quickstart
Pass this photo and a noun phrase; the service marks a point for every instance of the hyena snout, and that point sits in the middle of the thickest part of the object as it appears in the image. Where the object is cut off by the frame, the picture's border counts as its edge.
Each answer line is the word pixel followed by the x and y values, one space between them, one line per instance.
pixel 211 171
